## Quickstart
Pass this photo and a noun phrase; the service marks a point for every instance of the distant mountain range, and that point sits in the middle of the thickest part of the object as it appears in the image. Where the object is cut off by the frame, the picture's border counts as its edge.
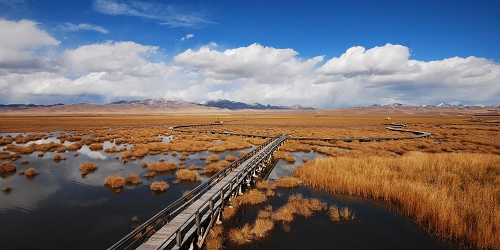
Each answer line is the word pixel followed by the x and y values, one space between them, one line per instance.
pixel 161 103
pixel 222 104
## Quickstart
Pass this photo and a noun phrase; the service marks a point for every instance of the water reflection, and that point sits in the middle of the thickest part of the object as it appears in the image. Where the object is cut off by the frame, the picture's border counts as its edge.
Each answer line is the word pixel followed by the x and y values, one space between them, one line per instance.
pixel 285 169
pixel 91 154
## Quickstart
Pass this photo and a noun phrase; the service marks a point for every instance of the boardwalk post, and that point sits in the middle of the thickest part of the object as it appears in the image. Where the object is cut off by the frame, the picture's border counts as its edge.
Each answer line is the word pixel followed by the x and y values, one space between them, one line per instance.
pixel 198 224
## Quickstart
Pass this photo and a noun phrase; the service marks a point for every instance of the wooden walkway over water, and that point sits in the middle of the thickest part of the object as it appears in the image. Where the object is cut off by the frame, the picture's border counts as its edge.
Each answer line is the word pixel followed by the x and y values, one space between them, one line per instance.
pixel 189 219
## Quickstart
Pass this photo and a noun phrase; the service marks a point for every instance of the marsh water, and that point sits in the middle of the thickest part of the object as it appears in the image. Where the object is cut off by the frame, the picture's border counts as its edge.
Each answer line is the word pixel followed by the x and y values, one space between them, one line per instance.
pixel 61 209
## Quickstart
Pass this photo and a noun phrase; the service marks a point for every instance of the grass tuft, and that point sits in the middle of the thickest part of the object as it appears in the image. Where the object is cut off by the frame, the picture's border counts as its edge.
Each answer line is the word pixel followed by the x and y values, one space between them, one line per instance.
pixel 159 186
pixel 114 181
pixel 7 167
pixel 215 239
pixel 187 175
pixel 30 172
pixel 88 167
pixel 133 179
pixel 162 166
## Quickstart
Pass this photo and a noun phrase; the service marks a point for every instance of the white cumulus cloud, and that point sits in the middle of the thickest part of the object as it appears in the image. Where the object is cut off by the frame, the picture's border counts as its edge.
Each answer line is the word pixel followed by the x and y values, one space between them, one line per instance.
pixel 388 59
pixel 18 44
pixel 254 61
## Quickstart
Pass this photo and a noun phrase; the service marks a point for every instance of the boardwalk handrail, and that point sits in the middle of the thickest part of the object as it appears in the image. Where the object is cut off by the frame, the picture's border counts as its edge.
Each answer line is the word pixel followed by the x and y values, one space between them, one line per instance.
pixel 142 232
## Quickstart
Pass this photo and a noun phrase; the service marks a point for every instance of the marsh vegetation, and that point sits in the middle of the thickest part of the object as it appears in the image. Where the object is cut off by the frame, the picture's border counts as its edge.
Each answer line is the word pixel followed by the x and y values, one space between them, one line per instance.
pixel 447 184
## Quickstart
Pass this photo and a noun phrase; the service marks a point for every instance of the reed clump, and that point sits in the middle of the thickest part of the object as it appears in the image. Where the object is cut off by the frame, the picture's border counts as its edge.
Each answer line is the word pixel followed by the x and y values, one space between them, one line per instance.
pixel 162 166
pixel 87 167
pixel 454 196
pixel 133 179
pixel 7 167
pixel 159 186
pixel 114 181
pixel 212 158
pixel 30 172
pixel 241 235
pixel 261 227
pixel 57 157
pixel 96 146
pixel 187 175
pixel 212 168
pixel 112 150
pixel 215 239
pixel 252 197
pixel 231 158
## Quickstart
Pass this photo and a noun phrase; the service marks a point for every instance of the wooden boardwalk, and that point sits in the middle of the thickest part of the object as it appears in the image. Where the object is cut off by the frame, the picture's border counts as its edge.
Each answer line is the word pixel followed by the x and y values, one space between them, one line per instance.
pixel 178 231
pixel 189 219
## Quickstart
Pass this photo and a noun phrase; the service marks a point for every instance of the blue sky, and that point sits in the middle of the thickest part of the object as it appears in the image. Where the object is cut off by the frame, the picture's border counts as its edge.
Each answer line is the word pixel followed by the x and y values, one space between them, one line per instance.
pixel 316 53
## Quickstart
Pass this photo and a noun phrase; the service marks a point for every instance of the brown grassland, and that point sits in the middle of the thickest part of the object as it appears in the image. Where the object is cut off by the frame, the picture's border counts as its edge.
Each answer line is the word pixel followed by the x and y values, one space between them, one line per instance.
pixel 448 183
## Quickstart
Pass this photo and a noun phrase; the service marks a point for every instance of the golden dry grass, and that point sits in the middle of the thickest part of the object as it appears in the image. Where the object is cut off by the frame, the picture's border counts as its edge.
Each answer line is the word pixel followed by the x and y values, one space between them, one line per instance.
pixel 264 223
pixel 114 181
pixel 215 238
pixel 57 157
pixel 133 179
pixel 454 196
pixel 231 158
pixel 212 158
pixel 333 212
pixel 288 182
pixel 240 235
pixel 7 167
pixel 159 186
pixel 30 172
pixel 96 146
pixel 251 197
pixel 261 227
pixel 162 166
pixel 113 149
pixel 187 175
pixel 87 167
pixel 213 168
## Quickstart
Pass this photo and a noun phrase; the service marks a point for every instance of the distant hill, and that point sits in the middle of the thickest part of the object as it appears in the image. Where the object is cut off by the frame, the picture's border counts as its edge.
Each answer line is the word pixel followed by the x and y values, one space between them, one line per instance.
pixel 162 106
pixel 222 104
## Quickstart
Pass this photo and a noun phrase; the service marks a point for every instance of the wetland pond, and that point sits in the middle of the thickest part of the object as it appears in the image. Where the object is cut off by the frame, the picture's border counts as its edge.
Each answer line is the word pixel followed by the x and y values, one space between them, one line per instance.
pixel 61 209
